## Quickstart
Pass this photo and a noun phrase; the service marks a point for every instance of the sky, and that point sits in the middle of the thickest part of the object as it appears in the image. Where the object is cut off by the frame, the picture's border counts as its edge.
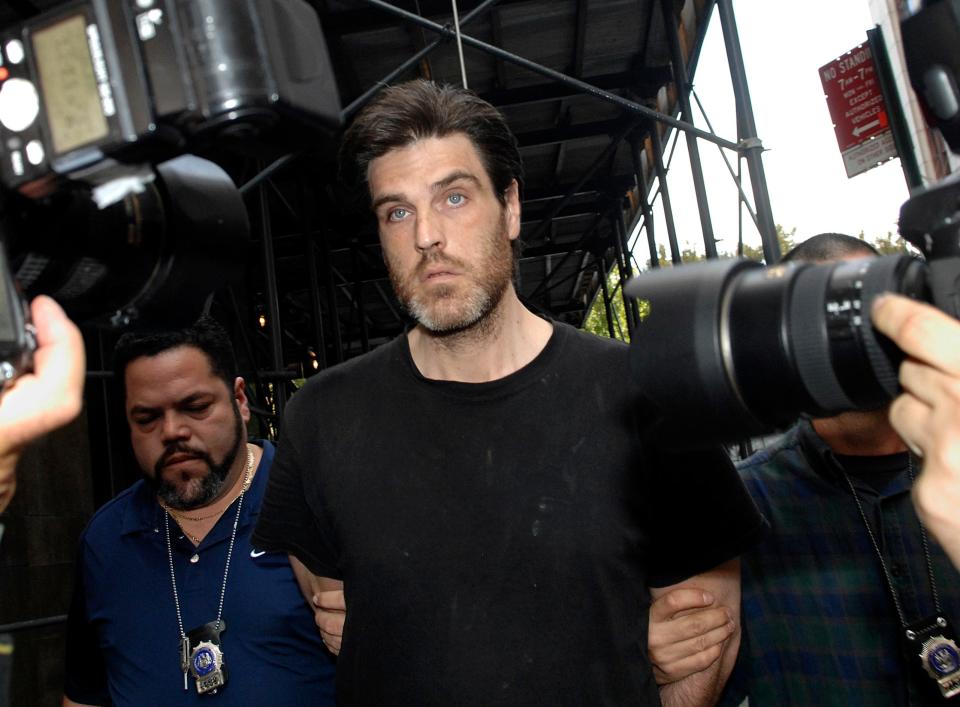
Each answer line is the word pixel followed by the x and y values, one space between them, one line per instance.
pixel 783 44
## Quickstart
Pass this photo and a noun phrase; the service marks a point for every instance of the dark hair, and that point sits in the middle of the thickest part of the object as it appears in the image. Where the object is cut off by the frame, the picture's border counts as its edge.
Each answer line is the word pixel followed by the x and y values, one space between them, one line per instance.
pixel 402 114
pixel 205 334
pixel 828 246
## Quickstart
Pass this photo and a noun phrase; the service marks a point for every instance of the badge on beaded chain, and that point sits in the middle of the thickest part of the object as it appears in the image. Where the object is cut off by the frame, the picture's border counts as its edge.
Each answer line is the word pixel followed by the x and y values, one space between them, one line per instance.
pixel 207 665
pixel 938 653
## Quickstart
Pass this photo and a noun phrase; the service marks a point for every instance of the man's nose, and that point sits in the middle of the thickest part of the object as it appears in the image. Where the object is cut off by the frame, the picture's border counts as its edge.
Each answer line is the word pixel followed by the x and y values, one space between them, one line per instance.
pixel 174 427
pixel 428 232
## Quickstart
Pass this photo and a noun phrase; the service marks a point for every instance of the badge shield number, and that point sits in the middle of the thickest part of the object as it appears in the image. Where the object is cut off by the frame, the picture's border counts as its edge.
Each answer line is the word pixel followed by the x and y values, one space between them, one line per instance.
pixel 931 640
pixel 207 668
pixel 206 662
pixel 941 660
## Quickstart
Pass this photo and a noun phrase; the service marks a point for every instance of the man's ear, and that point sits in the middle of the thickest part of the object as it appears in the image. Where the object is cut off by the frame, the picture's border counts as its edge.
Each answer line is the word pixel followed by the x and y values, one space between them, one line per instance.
pixel 240 395
pixel 512 194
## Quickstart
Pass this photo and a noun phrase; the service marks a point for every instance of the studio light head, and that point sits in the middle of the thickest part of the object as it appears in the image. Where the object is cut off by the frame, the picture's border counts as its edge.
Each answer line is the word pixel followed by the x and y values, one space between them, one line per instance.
pixel 101 104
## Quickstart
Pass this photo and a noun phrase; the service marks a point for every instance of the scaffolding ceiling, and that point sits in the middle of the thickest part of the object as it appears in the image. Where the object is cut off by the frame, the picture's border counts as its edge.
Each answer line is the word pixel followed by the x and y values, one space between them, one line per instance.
pixel 584 154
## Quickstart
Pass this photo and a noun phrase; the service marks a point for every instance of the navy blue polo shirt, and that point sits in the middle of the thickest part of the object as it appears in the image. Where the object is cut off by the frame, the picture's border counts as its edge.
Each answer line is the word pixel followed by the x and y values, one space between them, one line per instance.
pixel 123 637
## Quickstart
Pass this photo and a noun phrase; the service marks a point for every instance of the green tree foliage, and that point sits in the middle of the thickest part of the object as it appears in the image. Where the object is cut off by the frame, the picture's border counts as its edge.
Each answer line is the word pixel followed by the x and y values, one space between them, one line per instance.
pixel 784 238
pixel 689 255
pixel 596 320
pixel 889 244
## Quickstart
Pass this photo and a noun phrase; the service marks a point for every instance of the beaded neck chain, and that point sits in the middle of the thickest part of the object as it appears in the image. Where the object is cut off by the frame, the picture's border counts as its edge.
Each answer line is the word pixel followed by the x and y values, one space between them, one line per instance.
pixel 876 547
pixel 930 638
pixel 226 569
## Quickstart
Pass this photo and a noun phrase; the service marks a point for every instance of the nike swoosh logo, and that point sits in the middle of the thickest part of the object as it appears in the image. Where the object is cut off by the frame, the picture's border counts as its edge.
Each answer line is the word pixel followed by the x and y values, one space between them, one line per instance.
pixel 257 553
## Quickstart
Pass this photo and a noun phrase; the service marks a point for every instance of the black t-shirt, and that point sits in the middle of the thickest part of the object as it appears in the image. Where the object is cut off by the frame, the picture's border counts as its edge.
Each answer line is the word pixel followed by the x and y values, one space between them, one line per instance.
pixel 496 540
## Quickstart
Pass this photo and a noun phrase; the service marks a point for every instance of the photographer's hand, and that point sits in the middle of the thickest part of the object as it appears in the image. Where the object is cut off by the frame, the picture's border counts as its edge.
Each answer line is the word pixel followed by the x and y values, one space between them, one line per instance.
pixel 49 397
pixel 927 414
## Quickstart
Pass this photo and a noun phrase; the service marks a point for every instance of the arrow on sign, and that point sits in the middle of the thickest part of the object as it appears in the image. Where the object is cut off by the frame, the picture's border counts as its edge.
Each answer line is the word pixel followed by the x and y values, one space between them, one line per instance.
pixel 861 129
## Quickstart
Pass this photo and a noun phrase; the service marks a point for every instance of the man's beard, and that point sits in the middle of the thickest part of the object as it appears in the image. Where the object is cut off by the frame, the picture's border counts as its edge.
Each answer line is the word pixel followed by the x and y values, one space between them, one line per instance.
pixel 444 310
pixel 205 489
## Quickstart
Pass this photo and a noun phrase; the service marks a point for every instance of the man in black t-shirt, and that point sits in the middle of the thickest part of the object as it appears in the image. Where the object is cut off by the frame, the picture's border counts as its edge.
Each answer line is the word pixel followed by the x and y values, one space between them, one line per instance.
pixel 476 509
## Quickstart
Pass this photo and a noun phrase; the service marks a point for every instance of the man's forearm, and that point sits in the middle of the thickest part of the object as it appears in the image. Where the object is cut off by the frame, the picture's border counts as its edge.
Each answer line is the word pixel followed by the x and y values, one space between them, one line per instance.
pixel 325 599
pixel 311 584
pixel 703 689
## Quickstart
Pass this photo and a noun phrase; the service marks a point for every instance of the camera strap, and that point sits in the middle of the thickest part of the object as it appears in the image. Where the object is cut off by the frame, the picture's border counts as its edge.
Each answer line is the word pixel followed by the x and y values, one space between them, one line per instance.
pixel 930 638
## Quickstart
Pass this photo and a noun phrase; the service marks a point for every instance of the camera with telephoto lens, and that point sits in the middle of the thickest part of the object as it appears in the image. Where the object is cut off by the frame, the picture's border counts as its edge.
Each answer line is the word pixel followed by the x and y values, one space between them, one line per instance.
pixel 103 206
pixel 730 349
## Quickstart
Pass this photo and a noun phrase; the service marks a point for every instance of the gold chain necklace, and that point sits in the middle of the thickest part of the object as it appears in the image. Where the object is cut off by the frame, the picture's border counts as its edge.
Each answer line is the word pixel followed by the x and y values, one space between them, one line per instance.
pixel 180 517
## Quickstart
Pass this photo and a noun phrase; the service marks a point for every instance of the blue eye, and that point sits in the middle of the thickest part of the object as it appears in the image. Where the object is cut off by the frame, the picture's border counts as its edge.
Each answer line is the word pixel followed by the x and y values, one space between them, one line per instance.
pixel 455 199
pixel 397 214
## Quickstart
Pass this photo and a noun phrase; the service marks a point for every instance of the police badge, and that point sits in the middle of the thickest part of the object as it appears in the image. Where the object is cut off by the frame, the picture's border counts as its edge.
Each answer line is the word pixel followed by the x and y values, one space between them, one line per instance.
pixel 941 660
pixel 205 660
pixel 939 654
pixel 206 666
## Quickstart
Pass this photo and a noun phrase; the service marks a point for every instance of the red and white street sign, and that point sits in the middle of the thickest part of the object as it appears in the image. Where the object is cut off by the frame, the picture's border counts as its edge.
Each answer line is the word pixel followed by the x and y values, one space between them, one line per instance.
pixel 858 110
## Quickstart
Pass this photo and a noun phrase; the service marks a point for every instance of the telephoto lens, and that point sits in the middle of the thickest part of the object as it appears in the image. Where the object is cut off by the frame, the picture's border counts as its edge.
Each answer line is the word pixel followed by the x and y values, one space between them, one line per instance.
pixel 731 349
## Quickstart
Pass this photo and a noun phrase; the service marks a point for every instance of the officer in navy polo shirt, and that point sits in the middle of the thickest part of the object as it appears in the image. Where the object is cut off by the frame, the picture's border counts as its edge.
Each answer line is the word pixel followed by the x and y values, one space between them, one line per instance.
pixel 172 604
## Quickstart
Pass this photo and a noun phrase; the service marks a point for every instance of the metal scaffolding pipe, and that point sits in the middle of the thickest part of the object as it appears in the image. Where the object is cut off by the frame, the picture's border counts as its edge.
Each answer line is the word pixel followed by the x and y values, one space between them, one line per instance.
pixel 623 263
pixel 584 178
pixel 607 306
pixel 735 176
pixel 331 286
pixel 747 129
pixel 682 83
pixel 665 194
pixel 313 279
pixel 273 301
pixel 898 121
pixel 412 61
pixel 582 86
pixel 316 310
pixel 357 104
pixel 635 152
pixel 584 238
pixel 268 171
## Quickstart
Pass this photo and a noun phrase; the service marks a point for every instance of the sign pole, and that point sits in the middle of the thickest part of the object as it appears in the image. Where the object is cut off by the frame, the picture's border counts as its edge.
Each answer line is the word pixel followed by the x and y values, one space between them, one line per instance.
pixel 898 122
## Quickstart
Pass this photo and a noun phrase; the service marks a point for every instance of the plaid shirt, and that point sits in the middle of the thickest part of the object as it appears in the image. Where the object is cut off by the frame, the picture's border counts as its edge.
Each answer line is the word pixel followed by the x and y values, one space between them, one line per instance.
pixel 820 627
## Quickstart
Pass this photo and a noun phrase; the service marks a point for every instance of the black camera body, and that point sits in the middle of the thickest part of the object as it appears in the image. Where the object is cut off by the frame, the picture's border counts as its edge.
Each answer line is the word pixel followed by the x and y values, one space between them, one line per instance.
pixel 97 82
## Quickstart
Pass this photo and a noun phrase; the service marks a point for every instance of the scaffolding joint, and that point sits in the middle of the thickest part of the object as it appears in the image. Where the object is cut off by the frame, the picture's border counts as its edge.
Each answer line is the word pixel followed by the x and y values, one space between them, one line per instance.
pixel 750 143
